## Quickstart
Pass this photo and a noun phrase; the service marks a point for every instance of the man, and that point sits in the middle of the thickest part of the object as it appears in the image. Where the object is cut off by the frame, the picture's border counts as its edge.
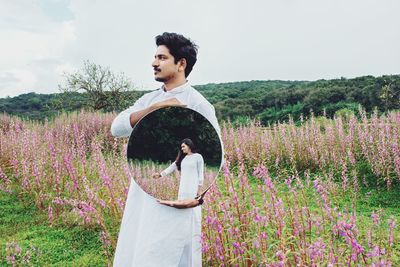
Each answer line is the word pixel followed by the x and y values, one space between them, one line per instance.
pixel 173 62
pixel 152 234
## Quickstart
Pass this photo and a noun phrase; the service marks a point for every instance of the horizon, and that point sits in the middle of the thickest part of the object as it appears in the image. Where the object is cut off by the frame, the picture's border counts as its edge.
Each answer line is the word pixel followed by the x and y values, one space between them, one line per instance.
pixel 136 89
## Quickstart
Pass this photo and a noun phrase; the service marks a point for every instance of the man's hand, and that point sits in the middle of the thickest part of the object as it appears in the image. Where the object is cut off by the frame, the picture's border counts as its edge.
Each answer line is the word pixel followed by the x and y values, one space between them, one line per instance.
pixel 156 175
pixel 172 102
pixel 180 204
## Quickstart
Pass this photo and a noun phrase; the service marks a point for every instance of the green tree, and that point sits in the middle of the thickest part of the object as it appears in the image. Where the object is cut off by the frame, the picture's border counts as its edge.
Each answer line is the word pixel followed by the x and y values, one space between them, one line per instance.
pixel 104 89
pixel 390 95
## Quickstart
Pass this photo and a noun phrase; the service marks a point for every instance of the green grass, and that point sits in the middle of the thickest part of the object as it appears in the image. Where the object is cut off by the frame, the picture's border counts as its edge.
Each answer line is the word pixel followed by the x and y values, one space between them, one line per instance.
pixel 66 245
pixel 58 245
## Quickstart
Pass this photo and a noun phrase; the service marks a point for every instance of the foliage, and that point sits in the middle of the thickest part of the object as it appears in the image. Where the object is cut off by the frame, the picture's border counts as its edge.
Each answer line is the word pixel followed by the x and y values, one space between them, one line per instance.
pixel 273 101
pixel 268 101
pixel 166 187
pixel 52 105
pixel 26 238
pixel 322 144
pixel 288 195
pixel 104 89
pixel 36 106
pixel 390 94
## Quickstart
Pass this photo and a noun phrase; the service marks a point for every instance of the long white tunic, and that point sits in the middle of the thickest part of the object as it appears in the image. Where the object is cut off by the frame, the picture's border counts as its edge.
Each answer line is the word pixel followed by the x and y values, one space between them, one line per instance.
pixel 152 234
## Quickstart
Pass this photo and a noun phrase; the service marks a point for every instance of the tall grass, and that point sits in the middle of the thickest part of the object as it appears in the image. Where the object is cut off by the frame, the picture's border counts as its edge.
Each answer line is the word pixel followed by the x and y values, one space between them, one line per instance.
pixel 280 196
pixel 321 144
pixel 166 187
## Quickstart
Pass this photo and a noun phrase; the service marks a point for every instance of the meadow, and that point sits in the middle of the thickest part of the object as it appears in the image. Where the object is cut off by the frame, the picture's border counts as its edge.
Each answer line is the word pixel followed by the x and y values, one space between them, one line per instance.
pixel 166 187
pixel 324 192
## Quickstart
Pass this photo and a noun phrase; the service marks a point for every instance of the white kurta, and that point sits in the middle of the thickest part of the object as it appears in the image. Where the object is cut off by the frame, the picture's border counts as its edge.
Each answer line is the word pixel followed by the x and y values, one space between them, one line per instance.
pixel 152 234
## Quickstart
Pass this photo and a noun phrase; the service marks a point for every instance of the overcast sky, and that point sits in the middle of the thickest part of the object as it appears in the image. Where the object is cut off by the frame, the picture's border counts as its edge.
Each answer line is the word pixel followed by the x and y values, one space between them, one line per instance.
pixel 238 40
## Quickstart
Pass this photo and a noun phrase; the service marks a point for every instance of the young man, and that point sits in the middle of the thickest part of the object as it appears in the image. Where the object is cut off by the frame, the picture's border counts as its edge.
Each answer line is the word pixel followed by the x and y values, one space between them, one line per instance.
pixel 173 62
pixel 152 234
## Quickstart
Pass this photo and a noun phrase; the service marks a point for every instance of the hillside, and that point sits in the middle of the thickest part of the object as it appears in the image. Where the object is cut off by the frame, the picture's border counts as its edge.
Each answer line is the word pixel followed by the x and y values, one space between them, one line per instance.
pixel 269 101
pixel 275 100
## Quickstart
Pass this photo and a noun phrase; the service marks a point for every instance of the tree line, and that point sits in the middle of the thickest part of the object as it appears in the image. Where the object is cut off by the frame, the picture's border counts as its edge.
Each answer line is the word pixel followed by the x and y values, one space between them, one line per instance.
pixel 268 101
pixel 272 101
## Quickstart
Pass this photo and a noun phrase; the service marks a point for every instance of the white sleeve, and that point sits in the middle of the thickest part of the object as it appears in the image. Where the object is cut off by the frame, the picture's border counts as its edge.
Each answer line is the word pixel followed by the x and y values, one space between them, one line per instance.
pixel 121 125
pixel 208 111
pixel 200 169
pixel 169 170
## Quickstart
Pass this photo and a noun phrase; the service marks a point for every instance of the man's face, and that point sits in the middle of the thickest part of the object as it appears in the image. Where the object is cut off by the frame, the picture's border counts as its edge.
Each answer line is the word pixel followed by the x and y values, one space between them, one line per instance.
pixel 164 65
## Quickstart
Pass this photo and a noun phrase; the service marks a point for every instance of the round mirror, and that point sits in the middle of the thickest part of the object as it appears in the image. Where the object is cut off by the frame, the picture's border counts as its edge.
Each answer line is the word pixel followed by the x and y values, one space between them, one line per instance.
pixel 174 153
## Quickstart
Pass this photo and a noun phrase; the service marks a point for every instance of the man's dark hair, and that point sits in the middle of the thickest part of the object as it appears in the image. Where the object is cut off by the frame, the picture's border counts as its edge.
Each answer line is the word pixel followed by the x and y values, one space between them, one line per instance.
pixel 179 47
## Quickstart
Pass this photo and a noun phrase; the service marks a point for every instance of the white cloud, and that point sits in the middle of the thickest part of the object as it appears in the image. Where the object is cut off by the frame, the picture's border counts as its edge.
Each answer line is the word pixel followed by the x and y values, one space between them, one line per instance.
pixel 308 39
pixel 32 45
pixel 61 69
pixel 14 79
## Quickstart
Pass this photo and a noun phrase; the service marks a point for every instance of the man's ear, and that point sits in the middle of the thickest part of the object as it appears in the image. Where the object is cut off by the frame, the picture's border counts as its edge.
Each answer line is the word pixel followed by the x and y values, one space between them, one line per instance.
pixel 182 64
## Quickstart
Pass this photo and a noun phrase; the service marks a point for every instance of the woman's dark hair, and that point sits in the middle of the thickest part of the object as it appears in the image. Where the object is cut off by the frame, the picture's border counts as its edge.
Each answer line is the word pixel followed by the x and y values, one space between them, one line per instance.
pixel 181 155
pixel 179 47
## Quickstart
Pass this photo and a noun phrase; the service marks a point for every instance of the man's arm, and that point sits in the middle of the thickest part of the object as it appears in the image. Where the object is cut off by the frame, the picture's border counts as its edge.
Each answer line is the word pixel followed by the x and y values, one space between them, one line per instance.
pixel 127 119
pixel 137 116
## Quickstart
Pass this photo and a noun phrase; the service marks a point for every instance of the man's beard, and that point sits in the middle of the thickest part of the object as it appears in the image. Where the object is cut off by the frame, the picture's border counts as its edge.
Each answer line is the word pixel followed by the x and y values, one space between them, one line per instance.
pixel 160 79
pixel 163 79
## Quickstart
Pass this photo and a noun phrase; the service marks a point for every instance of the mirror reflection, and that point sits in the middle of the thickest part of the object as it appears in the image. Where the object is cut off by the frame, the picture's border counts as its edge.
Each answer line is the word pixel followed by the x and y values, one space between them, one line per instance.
pixel 174 153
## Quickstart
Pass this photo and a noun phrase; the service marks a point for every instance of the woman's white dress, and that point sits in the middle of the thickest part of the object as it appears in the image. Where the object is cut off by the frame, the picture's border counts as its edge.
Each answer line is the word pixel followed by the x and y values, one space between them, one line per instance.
pixel 191 177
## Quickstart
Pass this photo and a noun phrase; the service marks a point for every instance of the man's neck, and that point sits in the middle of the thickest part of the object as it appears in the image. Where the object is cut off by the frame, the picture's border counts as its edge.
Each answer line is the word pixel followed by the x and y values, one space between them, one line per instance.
pixel 168 86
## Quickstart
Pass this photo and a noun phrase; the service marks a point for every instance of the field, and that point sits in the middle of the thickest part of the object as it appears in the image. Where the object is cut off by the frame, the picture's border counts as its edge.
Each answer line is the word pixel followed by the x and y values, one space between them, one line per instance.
pixel 322 193
pixel 167 187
